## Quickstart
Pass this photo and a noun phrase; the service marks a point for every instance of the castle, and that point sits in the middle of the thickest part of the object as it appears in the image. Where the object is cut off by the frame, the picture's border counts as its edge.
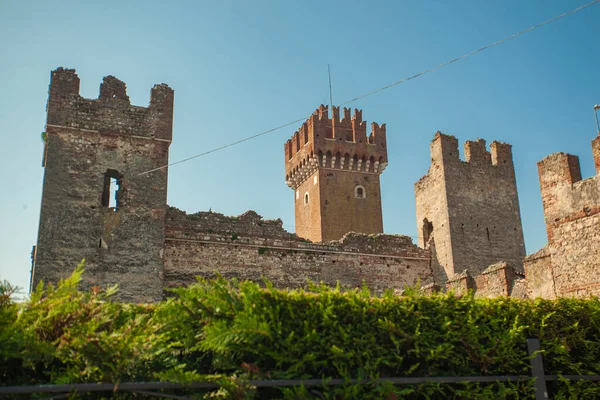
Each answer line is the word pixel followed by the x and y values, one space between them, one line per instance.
pixel 98 204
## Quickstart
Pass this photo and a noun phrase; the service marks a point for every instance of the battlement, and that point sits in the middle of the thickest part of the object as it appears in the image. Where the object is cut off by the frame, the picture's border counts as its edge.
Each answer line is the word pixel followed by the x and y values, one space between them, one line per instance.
pixel 112 112
pixel 568 265
pixel 444 150
pixel 559 168
pixel 337 143
pixel 565 195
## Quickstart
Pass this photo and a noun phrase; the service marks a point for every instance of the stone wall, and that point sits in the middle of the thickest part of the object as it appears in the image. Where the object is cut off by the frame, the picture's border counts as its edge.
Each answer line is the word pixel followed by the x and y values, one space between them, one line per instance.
pixel 569 264
pixel 248 247
pixel 89 143
pixel 472 206
pixel 432 210
pixel 499 280
pixel 576 256
pixel 539 273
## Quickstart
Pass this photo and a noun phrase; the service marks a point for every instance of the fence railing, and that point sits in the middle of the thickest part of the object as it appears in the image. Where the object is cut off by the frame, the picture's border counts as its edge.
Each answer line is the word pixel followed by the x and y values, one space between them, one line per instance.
pixel 145 388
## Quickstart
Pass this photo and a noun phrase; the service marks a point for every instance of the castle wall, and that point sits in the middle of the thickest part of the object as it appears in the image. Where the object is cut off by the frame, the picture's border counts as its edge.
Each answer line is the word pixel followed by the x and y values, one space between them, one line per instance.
pixel 500 280
pixel 540 276
pixel 572 216
pixel 246 247
pixel 480 218
pixel 85 140
pixel 576 257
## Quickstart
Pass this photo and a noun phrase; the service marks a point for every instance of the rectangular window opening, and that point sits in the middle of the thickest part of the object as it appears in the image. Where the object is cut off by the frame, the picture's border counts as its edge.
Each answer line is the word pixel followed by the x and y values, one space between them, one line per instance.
pixel 111 190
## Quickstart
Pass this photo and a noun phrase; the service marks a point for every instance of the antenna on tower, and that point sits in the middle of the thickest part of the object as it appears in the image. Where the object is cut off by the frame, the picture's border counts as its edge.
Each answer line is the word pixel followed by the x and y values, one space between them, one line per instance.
pixel 596 108
pixel 331 93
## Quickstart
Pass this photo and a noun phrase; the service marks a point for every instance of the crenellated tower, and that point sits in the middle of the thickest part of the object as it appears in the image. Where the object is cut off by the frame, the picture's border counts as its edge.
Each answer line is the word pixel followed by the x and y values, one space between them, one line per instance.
pixel 95 205
pixel 469 209
pixel 334 167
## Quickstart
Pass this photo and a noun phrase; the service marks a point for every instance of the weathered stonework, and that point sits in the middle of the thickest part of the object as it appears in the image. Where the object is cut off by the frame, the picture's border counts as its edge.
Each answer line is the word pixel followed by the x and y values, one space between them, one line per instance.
pixel 540 277
pixel 569 265
pixel 334 168
pixel 247 247
pixel 90 141
pixel 500 279
pixel 461 283
pixel 470 207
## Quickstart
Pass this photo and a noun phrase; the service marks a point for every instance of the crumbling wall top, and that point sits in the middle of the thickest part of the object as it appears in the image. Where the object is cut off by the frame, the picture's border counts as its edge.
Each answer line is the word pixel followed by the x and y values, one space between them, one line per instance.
pixel 112 112
pixel 251 228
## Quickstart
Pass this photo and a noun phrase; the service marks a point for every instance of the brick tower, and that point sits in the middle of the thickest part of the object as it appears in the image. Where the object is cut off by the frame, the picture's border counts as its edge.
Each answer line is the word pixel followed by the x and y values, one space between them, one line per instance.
pixel 94 205
pixel 334 167
pixel 470 208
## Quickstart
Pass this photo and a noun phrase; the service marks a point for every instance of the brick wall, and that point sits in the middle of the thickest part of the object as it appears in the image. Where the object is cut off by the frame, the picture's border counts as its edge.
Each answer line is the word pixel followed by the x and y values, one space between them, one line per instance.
pixel 572 216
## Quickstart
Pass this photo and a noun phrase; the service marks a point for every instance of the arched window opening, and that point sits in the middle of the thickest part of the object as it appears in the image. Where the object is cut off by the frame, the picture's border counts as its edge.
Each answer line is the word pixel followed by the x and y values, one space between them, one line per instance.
pixel 360 192
pixel 112 191
pixel 346 163
pixel 306 198
pixel 427 231
pixel 329 160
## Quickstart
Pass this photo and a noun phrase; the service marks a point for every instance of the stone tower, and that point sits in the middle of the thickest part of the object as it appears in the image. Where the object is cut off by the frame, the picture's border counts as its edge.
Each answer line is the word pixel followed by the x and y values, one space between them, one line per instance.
pixel 469 210
pixel 94 203
pixel 334 167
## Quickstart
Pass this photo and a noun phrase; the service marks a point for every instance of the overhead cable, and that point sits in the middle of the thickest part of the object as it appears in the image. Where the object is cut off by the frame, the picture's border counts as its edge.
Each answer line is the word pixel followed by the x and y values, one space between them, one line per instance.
pixel 439 66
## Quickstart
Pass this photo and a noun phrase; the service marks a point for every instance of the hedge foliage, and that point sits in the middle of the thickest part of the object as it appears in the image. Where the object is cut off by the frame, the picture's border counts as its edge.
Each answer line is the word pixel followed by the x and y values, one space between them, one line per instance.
pixel 230 332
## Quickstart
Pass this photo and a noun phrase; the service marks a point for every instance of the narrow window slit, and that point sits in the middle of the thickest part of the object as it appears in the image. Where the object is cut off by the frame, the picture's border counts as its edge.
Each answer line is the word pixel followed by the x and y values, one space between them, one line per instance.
pixel 112 192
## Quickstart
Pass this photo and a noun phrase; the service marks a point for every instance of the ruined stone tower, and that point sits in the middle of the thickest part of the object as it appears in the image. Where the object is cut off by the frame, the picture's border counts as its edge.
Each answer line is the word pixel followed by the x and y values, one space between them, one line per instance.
pixel 94 205
pixel 334 167
pixel 470 209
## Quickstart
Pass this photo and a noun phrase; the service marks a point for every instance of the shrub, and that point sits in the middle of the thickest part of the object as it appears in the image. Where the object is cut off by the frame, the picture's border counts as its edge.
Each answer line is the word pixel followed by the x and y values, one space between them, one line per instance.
pixel 229 331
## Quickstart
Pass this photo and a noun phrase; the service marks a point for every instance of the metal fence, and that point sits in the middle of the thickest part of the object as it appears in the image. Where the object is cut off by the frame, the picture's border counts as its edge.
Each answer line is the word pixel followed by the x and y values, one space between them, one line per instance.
pixel 146 388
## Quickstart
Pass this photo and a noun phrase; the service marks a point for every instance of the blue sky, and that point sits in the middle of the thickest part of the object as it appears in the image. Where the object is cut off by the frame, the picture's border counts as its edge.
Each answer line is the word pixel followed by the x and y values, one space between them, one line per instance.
pixel 242 67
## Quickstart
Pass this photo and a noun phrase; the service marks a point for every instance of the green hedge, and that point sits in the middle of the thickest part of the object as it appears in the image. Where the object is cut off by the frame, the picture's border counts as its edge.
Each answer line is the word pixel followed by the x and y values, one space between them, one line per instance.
pixel 230 332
